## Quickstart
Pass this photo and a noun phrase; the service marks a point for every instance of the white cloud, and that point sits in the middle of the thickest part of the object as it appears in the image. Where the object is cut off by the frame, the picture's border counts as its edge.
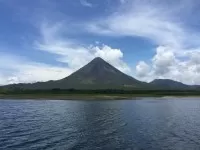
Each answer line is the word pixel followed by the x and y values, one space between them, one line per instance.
pixel 113 56
pixel 74 54
pixel 143 20
pixel 3 79
pixel 177 51
pixel 86 3
pixel 163 60
pixel 15 69
pixel 168 64
pixel 142 69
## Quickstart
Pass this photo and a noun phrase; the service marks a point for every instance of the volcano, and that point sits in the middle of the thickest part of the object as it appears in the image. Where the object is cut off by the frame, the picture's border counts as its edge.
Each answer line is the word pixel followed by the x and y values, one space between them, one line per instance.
pixel 97 74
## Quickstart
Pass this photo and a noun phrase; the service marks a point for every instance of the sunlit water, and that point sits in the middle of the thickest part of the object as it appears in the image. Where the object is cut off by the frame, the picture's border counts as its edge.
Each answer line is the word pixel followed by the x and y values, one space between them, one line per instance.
pixel 146 124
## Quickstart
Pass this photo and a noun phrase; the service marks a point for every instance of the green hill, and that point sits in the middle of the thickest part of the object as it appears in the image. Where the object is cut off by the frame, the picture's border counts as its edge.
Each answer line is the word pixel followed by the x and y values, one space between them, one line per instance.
pixel 169 84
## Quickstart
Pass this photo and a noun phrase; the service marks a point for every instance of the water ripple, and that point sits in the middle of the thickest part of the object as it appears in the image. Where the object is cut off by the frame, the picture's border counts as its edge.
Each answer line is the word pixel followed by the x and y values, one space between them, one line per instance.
pixel 143 124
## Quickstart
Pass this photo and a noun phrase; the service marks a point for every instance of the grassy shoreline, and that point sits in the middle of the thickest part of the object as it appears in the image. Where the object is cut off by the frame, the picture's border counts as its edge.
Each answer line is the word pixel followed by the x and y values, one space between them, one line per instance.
pixel 69 97
pixel 87 96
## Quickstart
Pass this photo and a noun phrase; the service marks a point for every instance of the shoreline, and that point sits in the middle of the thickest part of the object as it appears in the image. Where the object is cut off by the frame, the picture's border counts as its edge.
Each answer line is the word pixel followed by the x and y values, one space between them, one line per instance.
pixel 90 97
pixel 68 97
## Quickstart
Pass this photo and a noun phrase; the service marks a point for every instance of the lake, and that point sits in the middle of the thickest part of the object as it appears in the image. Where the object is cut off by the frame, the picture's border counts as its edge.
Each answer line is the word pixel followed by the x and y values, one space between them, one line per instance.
pixel 143 124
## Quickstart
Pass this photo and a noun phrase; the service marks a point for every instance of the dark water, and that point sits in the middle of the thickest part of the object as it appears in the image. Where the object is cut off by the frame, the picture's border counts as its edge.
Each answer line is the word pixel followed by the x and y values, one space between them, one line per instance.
pixel 146 125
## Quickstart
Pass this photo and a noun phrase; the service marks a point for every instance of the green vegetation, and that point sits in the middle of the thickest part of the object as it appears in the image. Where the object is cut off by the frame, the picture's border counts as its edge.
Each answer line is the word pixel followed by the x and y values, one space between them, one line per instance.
pixel 92 94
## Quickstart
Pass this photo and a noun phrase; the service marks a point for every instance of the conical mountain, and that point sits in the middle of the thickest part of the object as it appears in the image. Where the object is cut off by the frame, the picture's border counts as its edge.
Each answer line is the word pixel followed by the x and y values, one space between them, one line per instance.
pixel 97 74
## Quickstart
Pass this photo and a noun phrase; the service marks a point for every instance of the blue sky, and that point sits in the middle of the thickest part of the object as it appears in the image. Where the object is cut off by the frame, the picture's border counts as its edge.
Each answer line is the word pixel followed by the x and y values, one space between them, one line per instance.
pixel 147 39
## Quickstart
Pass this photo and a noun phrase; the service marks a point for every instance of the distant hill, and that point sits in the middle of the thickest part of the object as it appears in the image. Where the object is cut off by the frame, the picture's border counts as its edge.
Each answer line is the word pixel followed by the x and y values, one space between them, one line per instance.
pixel 98 74
pixel 169 84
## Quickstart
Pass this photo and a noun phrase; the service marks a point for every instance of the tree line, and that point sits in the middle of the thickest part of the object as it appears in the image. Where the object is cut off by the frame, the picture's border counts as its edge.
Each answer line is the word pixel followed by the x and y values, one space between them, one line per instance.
pixel 99 91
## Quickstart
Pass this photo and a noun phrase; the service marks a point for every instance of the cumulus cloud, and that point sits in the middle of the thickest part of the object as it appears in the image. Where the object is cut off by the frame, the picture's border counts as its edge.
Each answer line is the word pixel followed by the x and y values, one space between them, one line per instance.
pixel 16 69
pixel 74 54
pixel 142 69
pixel 177 47
pixel 163 60
pixel 113 56
pixel 168 64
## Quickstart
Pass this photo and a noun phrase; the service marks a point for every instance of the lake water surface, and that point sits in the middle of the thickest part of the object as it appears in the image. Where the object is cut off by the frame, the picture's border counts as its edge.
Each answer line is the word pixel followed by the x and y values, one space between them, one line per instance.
pixel 147 124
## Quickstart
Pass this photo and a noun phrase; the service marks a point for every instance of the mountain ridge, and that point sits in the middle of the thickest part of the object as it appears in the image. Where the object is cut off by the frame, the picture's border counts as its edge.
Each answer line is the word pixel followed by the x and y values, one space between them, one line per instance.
pixel 169 84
